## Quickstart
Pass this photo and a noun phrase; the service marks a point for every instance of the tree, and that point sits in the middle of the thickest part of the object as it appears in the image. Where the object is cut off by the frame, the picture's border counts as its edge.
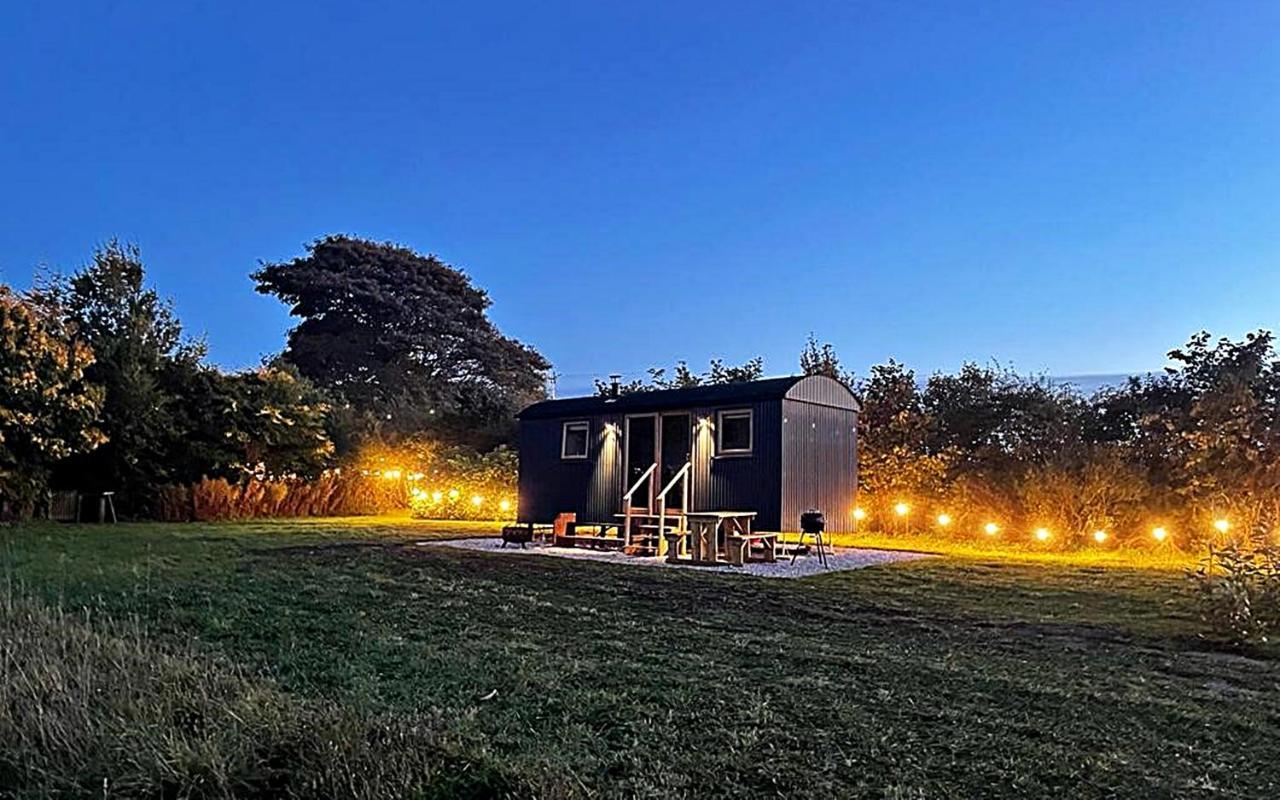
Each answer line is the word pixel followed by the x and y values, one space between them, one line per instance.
pixel 684 378
pixel 821 359
pixel 403 340
pixel 138 346
pixel 47 406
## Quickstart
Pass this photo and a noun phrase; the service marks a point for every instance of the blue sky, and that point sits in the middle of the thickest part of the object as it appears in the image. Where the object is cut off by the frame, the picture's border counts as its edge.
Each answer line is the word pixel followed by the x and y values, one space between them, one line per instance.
pixel 1068 187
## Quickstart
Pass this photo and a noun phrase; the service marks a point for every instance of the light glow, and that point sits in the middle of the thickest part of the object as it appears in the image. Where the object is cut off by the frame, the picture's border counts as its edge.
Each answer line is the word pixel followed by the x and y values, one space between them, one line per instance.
pixel 944 520
pixel 1042 534
pixel 436 497
pixel 991 528
pixel 1223 525
pixel 505 505
pixel 1159 534
pixel 901 509
pixel 859 514
pixel 1099 536
pixel 391 474
pixel 476 499
pixel 454 494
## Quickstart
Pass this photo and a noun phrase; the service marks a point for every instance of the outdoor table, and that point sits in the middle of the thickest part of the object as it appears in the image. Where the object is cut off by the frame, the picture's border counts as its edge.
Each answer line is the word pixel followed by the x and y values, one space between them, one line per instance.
pixel 707 531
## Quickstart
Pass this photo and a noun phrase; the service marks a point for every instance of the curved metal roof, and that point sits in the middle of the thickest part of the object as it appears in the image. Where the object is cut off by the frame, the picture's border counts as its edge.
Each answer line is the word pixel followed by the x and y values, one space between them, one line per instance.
pixel 811 388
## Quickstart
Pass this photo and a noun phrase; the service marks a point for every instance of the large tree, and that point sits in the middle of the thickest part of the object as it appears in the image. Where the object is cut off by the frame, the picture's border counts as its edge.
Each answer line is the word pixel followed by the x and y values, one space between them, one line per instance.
pixel 47 407
pixel 138 346
pixel 403 340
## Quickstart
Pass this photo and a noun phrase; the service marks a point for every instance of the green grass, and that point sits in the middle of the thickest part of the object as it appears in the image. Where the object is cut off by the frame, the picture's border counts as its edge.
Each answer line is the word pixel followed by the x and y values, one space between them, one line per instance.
pixel 955 676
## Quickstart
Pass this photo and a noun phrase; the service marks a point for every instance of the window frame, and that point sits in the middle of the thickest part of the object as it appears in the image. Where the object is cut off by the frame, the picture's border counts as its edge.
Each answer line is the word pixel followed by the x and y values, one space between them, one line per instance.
pixel 750 414
pixel 564 439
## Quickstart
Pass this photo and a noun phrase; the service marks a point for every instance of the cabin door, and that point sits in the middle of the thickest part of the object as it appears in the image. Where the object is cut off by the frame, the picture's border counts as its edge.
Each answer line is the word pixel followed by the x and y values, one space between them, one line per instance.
pixel 677 436
pixel 641 453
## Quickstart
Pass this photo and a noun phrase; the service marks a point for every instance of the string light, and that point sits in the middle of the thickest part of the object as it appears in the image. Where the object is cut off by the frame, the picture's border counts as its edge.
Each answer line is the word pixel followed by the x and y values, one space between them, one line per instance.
pixel 1159 534
pixel 505 505
pixel 1042 534
pixel 476 499
pixel 436 497
pixel 1099 536
pixel 453 494
pixel 944 520
pixel 859 514
pixel 991 528
pixel 1223 525
pixel 901 509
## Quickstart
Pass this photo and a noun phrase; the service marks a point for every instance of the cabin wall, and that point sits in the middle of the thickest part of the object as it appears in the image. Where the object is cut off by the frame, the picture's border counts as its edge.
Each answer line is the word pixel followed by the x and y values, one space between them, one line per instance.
pixel 549 485
pixel 740 483
pixel 819 463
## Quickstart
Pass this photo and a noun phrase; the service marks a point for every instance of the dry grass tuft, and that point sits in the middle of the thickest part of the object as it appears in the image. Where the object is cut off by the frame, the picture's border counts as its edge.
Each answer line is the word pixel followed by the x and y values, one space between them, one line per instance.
pixel 92 708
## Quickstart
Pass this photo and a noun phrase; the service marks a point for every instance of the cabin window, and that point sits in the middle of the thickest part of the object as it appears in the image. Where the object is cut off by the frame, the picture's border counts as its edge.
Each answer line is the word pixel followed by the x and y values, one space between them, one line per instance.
pixel 734 429
pixel 575 440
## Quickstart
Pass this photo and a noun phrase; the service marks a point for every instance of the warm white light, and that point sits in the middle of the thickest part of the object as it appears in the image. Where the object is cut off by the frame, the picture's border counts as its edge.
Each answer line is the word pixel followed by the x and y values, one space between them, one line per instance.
pixel 1160 534
pixel 859 514
pixel 453 494
pixel 901 509
pixel 476 499
pixel 505 505
pixel 944 520
pixel 436 497
pixel 391 474
pixel 1099 536
pixel 1222 525
pixel 1042 534
pixel 991 528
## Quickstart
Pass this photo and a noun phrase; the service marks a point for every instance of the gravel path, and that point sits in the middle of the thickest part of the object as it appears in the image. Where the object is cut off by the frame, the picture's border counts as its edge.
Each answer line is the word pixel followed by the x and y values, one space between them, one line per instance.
pixel 841 559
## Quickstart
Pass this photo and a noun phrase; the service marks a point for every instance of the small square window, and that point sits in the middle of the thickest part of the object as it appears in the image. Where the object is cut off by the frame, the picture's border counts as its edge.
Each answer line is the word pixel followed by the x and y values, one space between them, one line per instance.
pixel 735 432
pixel 575 442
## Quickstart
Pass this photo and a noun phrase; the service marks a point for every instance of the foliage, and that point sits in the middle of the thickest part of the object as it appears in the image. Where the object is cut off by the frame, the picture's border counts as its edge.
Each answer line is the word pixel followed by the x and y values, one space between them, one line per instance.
pixel 1238 587
pixel 404 340
pixel 48 409
pixel 821 359
pixel 336 493
pixel 139 353
pixel 682 377
pixel 1179 450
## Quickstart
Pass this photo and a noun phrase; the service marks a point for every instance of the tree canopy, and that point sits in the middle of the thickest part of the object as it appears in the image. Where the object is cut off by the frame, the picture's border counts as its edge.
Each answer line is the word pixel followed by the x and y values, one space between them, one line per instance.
pixel 403 339
pixel 48 408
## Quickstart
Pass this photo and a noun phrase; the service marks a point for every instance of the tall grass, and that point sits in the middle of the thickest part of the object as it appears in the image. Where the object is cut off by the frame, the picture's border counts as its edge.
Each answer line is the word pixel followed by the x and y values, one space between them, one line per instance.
pixel 92 708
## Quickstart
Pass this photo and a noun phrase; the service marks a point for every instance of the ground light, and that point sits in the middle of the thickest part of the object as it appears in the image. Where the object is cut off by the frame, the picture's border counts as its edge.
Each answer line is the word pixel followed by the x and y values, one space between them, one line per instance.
pixel 453 494
pixel 1223 525
pixel 476 499
pixel 436 497
pixel 505 505
pixel 944 520
pixel 859 514
pixel 1099 536
pixel 1159 534
pixel 1042 534
pixel 991 528
pixel 901 509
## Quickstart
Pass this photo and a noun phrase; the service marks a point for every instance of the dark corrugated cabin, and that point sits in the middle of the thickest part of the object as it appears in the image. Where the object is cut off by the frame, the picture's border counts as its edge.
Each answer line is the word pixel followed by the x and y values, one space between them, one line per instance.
pixel 777 447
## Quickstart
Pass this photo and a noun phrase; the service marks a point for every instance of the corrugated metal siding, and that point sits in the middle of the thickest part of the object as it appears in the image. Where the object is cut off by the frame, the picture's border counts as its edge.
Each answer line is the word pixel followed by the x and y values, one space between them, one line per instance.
pixel 740 483
pixel 549 485
pixel 819 463
pixel 823 391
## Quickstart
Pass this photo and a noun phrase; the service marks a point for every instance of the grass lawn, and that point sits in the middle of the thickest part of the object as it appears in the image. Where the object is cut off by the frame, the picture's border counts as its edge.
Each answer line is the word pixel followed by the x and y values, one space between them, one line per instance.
pixel 955 676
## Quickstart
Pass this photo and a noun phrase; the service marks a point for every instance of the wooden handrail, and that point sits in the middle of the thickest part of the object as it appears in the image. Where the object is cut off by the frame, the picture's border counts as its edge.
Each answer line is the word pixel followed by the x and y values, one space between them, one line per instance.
pixel 626 503
pixel 662 501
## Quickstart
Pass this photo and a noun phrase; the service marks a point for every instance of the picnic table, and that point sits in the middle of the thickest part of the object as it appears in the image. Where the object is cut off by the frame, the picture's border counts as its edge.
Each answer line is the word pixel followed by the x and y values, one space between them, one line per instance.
pixel 711 531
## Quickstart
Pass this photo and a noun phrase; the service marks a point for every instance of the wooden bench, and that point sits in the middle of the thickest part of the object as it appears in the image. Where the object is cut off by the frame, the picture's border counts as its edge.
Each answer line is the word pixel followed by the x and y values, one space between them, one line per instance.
pixel 739 545
pixel 573 538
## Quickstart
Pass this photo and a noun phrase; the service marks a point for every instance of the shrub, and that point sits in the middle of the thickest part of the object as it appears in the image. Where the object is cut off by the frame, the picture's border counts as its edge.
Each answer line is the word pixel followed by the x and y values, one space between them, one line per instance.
pixel 1239 592
pixel 91 709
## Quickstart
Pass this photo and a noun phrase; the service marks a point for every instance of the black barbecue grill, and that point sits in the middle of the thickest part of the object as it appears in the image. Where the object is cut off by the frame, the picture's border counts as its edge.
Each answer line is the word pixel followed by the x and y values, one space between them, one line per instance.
pixel 813 523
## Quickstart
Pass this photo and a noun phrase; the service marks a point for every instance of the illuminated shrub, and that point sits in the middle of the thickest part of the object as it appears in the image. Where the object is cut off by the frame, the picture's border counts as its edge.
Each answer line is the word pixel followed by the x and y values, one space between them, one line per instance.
pixel 1238 588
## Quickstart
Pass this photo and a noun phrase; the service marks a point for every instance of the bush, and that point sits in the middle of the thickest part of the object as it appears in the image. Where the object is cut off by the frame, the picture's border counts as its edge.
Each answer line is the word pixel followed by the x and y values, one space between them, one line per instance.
pixel 334 494
pixel 1239 592
pixel 96 710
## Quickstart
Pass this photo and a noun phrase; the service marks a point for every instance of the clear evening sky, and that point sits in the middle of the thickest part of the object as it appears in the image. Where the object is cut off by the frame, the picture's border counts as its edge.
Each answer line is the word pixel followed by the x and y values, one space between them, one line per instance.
pixel 1068 187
